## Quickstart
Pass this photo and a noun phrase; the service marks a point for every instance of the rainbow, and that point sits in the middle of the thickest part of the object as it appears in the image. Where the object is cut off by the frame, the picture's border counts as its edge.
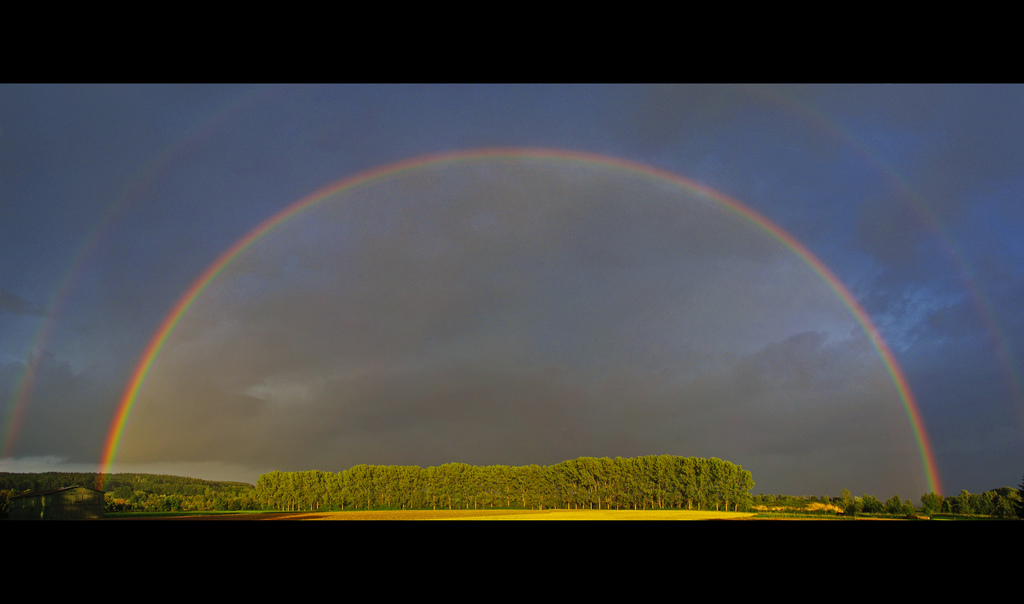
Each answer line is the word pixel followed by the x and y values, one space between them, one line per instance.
pixel 998 338
pixel 183 304
pixel 155 168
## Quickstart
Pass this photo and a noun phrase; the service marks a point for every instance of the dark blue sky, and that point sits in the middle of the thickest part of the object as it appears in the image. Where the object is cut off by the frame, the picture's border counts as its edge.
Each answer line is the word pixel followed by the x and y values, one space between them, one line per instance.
pixel 508 314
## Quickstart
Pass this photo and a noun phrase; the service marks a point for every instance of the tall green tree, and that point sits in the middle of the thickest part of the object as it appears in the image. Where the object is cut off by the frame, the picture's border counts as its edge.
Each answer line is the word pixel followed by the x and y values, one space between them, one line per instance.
pixel 871 505
pixel 846 501
pixel 931 503
pixel 962 503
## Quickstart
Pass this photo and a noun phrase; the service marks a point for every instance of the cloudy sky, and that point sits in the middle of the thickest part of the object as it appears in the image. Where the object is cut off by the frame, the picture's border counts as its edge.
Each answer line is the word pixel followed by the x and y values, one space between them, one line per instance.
pixel 635 272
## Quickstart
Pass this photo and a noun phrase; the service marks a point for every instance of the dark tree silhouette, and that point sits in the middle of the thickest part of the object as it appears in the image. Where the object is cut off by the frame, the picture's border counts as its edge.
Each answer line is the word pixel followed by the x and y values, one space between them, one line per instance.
pixel 1019 504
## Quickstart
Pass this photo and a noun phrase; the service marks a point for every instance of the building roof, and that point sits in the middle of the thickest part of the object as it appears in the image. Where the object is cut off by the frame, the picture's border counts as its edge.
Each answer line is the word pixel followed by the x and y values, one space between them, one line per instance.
pixel 52 491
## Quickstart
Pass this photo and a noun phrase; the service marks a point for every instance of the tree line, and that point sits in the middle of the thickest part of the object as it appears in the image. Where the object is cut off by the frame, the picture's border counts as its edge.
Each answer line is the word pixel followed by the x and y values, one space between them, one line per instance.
pixel 1004 502
pixel 128 492
pixel 161 484
pixel 648 482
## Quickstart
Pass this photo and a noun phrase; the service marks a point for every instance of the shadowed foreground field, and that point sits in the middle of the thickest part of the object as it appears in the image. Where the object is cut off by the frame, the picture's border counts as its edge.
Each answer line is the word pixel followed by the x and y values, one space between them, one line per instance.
pixel 484 515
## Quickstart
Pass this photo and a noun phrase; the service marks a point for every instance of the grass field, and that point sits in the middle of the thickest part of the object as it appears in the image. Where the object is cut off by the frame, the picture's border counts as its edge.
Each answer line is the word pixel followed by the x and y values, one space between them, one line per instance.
pixel 484 515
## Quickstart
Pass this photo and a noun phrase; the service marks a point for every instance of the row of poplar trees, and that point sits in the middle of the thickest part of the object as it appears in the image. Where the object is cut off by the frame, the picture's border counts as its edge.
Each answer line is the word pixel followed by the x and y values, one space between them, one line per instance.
pixel 649 482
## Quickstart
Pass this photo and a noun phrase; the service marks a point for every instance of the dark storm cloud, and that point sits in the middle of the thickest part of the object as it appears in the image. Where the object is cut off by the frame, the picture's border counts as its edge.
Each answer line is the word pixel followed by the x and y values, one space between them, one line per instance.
pixel 62 418
pixel 979 141
pixel 499 315
pixel 892 231
pixel 947 147
pixel 508 312
pixel 14 304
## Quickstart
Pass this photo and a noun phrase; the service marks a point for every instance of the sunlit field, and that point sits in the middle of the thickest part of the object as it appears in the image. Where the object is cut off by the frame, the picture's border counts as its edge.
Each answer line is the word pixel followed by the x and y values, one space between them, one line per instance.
pixel 488 515
pixel 603 515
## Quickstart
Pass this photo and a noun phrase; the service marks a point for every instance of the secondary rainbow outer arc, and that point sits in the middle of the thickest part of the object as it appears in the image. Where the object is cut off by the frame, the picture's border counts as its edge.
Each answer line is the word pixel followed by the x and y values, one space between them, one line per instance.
pixel 997 334
pixel 157 342
pixel 66 284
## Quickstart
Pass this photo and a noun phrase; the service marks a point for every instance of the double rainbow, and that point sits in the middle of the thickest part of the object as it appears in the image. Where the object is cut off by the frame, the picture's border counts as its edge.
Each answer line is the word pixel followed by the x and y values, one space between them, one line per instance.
pixel 158 340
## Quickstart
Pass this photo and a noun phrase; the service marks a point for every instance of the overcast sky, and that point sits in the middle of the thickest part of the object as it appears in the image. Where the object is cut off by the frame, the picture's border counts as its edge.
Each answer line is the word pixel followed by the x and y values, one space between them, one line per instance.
pixel 517 308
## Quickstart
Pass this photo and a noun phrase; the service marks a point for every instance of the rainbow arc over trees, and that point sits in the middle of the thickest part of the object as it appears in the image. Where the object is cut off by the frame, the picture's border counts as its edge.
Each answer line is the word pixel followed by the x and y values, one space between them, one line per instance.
pixel 156 343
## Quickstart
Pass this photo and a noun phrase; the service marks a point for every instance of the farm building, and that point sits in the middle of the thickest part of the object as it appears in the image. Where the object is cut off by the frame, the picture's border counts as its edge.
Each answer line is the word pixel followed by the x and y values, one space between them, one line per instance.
pixel 69 503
